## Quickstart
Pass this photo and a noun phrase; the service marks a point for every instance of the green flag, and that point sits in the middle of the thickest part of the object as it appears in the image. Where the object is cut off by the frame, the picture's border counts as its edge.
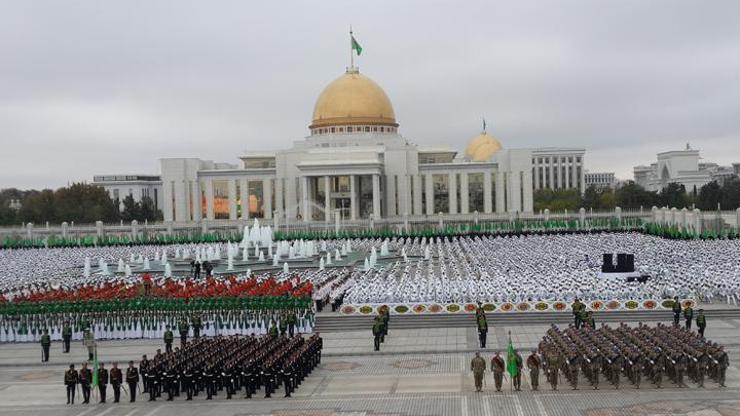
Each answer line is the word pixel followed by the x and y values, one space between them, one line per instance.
pixel 356 46
pixel 95 369
pixel 511 366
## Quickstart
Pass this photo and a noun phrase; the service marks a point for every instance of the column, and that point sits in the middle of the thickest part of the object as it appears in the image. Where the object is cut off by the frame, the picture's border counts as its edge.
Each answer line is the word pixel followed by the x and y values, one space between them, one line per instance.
pixel 279 196
pixel 464 197
pixel 244 197
pixel 197 213
pixel 180 201
pixel 552 173
pixel 209 200
pixel 429 194
pixel 487 197
pixel 582 185
pixel 403 195
pixel 390 185
pixel 573 172
pixel 417 195
pixel 267 197
pixel 515 192
pixel 452 192
pixel 536 172
pixel 327 198
pixel 353 197
pixel 305 203
pixel 376 196
pixel 500 200
pixel 567 174
pixel 291 196
pixel 231 187
pixel 167 205
pixel 528 196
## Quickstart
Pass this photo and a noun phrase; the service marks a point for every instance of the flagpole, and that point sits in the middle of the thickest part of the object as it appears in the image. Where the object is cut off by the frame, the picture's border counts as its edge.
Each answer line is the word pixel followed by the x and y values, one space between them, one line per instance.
pixel 351 54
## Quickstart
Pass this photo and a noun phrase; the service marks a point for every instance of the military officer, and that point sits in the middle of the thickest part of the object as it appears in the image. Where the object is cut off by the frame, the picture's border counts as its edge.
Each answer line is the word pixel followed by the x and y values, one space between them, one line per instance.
pixel 534 364
pixel 85 378
pixel 701 322
pixel 168 338
pixel 102 381
pixel 498 367
pixel 45 346
pixel 688 315
pixel 116 379
pixel 132 379
pixel 70 381
pixel 66 336
pixel 478 367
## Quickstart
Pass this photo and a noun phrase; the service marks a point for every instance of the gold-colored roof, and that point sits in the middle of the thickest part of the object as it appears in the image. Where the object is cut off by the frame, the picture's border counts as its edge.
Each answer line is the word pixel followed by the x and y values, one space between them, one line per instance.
pixel 482 147
pixel 353 99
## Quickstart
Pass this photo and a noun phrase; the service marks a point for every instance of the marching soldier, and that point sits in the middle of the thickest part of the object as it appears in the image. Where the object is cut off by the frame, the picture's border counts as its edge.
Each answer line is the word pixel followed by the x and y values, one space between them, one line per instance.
pixel 66 336
pixel 183 328
pixel 701 322
pixel 116 379
pixel 498 367
pixel 478 367
pixel 482 330
pixel 70 381
pixel 377 333
pixel 168 338
pixel 534 364
pixel 688 315
pixel 45 346
pixel 132 379
pixel 723 361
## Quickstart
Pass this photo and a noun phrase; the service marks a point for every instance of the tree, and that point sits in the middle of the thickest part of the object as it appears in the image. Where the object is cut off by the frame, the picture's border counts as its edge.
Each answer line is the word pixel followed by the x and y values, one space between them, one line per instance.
pixel 557 200
pixel 633 196
pixel 148 211
pixel 709 196
pixel 591 197
pixel 674 195
pixel 131 209
pixel 731 194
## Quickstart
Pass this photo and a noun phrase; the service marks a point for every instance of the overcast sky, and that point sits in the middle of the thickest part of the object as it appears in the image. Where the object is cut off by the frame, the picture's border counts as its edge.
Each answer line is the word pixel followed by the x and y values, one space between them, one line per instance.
pixel 92 87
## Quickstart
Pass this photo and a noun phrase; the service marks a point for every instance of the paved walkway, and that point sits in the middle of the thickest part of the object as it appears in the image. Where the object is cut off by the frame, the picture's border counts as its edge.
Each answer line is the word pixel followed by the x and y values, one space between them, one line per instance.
pixel 419 372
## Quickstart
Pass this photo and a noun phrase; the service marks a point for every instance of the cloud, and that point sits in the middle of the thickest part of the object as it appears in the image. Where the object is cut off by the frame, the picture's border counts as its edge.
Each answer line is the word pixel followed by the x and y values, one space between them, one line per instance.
pixel 92 87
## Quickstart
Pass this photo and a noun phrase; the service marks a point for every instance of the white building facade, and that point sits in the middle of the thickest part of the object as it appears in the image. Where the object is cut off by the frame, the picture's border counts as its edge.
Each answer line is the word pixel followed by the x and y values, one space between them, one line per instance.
pixel 682 167
pixel 600 180
pixel 356 165
pixel 138 186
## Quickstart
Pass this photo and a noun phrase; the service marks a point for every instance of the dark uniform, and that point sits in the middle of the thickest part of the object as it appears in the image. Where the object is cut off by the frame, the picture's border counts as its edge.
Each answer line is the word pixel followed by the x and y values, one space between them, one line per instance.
pixel 70 381
pixel 102 382
pixel 116 379
pixel 66 336
pixel 45 345
pixel 85 378
pixel 168 338
pixel 534 364
pixel 132 379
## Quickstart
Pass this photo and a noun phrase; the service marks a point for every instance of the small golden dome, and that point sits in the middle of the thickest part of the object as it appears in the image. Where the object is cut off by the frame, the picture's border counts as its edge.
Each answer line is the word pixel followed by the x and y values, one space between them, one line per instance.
pixel 482 148
pixel 353 99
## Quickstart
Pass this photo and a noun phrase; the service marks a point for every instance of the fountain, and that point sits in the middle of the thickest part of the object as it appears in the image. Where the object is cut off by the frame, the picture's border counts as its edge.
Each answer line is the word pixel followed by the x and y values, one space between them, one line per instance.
pixel 104 268
pixel 131 258
pixel 120 266
pixel 337 255
pixel 163 260
pixel 230 263
pixel 321 264
pixel 86 270
pixel 146 264
pixel 427 253
pixel 328 258
pixel 373 257
pixel 245 254
pixel 384 248
pixel 245 237
pixel 178 254
pixel 366 267
pixel 167 270
pixel 156 256
pixel 127 271
pixel 285 267
pixel 275 260
pixel 262 256
pixel 269 250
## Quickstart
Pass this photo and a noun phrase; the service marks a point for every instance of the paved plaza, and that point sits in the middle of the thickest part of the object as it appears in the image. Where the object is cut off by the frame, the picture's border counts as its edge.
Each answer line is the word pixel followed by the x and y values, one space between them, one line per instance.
pixel 418 372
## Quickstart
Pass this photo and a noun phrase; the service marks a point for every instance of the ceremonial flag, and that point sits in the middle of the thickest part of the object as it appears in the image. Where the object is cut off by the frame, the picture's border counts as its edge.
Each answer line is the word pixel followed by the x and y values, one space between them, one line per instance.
pixel 356 46
pixel 95 369
pixel 511 366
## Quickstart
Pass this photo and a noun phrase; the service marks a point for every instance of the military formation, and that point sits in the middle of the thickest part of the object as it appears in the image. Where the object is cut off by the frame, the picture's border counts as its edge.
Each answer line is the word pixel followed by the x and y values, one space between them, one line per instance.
pixel 230 366
pixel 587 356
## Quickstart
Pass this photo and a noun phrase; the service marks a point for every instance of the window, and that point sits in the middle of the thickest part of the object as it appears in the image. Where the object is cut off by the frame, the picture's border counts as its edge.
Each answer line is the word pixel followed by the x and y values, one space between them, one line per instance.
pixel 349 129
pixel 367 128
pixel 375 129
pixel 333 129
pixel 341 129
pixel 382 129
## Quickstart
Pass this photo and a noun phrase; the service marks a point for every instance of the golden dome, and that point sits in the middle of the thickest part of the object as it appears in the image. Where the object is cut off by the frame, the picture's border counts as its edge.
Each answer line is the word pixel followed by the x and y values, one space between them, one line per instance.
pixel 482 147
pixel 353 99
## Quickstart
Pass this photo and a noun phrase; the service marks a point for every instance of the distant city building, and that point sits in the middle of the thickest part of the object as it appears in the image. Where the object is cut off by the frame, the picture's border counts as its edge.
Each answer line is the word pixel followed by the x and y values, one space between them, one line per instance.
pixel 15 204
pixel 682 167
pixel 600 180
pixel 558 168
pixel 138 186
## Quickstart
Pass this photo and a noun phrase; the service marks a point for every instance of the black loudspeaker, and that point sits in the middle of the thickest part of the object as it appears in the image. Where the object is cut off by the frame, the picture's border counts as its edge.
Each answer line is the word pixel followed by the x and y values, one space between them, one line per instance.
pixel 621 263
pixel 630 263
pixel 608 263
